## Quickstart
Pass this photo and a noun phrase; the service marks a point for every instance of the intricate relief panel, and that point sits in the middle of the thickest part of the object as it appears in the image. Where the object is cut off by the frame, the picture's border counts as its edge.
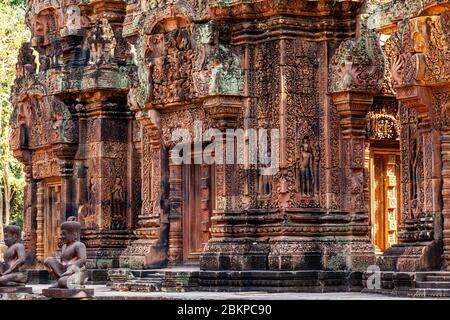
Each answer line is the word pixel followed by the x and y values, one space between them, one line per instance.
pixel 383 120
pixel 420 51
pixel 45 165
pixel 302 131
pixel 168 62
pixel 266 69
pixel 39 121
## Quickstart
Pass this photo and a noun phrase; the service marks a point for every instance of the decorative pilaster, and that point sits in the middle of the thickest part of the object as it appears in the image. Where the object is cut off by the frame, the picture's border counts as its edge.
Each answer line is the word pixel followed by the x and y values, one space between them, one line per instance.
pixel 353 108
pixel 445 145
pixel 229 246
pixel 150 249
pixel 40 223
pixel 357 71
pixel 175 214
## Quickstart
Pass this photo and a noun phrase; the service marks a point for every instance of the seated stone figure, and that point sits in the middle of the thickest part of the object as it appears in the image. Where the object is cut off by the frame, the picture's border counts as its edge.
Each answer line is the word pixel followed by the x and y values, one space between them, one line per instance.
pixel 11 271
pixel 70 270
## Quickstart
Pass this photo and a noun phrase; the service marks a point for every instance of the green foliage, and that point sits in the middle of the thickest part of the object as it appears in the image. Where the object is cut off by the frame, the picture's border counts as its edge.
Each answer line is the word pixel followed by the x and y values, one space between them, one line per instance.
pixel 12 33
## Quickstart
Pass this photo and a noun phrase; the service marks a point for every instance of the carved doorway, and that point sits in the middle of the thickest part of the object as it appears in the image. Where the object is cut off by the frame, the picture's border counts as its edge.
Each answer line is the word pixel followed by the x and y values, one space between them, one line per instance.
pixel 385 210
pixel 197 208
pixel 52 215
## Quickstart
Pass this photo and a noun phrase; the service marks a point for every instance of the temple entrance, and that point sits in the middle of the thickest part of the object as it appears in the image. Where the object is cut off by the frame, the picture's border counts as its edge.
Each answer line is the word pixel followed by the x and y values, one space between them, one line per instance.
pixel 52 215
pixel 385 194
pixel 197 207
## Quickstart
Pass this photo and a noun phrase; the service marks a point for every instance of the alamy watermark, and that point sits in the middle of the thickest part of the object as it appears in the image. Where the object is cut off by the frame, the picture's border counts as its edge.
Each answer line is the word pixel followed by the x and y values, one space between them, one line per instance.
pixel 374 278
pixel 233 146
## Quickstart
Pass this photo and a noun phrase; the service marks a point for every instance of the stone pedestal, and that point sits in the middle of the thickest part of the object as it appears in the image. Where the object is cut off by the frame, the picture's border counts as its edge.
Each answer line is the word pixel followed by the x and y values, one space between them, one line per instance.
pixel 58 293
pixel 21 289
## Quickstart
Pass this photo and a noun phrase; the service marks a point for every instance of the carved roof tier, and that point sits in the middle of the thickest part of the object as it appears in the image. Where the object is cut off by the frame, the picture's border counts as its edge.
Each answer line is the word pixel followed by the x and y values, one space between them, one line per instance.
pixel 243 9
pixel 385 16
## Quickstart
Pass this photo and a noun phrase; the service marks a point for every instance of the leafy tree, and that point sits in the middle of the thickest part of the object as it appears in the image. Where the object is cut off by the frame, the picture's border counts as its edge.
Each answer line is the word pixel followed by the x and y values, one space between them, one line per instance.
pixel 12 33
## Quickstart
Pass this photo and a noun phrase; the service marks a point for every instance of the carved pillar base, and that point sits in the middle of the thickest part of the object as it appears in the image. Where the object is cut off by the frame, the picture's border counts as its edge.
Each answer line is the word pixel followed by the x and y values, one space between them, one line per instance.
pixel 354 254
pixel 144 254
pixel 235 254
pixel 105 247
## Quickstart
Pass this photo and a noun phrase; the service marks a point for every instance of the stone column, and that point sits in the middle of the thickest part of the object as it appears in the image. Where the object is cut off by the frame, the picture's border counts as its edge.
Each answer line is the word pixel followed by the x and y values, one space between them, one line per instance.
pixel 353 108
pixel 445 145
pixel 228 249
pixel 107 145
pixel 30 214
pixel 175 214
pixel 40 223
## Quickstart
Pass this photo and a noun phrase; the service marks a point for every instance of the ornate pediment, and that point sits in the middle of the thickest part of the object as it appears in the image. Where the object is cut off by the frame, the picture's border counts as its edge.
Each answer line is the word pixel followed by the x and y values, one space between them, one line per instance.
pixel 358 65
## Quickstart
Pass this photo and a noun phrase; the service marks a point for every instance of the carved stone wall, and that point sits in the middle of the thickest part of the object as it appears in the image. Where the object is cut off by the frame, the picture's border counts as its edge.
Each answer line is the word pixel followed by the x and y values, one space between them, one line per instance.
pixel 116 79
pixel 417 58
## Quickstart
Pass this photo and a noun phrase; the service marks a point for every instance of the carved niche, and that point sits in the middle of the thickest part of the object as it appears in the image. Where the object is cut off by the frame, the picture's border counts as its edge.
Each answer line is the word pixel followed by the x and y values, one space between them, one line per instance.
pixel 302 118
pixel 168 62
pixel 102 43
pixel 46 39
pixel 39 121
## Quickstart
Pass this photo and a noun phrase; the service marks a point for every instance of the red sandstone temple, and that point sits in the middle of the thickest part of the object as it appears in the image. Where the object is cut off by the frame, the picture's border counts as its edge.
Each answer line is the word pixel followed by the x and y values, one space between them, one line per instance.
pixel 358 93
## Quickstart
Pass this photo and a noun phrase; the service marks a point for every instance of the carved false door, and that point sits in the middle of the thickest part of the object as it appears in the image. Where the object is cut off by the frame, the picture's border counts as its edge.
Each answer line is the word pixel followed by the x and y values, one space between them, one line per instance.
pixel 197 206
pixel 52 216
pixel 385 195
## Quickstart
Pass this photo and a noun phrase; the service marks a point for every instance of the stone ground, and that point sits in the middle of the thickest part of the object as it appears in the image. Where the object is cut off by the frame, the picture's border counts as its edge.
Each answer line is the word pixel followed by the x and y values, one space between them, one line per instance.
pixel 104 293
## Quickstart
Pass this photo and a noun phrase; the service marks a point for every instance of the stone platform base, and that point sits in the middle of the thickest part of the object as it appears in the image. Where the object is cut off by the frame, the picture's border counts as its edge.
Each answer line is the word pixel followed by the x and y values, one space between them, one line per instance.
pixel 408 284
pixel 280 281
pixel 235 281
pixel 16 290
pixel 57 293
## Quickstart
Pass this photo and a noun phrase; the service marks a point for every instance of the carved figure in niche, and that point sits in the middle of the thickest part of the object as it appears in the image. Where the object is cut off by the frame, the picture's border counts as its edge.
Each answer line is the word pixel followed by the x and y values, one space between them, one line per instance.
pixel 11 268
pixel 132 95
pixel 73 18
pixel 87 211
pixel 70 270
pixel 23 128
pixel 26 61
pixel 265 183
pixel 118 205
pixel 92 191
pixel 305 166
pixel 103 43
pixel 54 53
pixel 347 72
pixel 57 126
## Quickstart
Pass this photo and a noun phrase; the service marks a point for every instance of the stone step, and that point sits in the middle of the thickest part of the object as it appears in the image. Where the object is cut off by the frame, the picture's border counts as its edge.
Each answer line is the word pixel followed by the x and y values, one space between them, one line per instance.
pixel 438 278
pixel 142 285
pixel 433 285
pixel 147 273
